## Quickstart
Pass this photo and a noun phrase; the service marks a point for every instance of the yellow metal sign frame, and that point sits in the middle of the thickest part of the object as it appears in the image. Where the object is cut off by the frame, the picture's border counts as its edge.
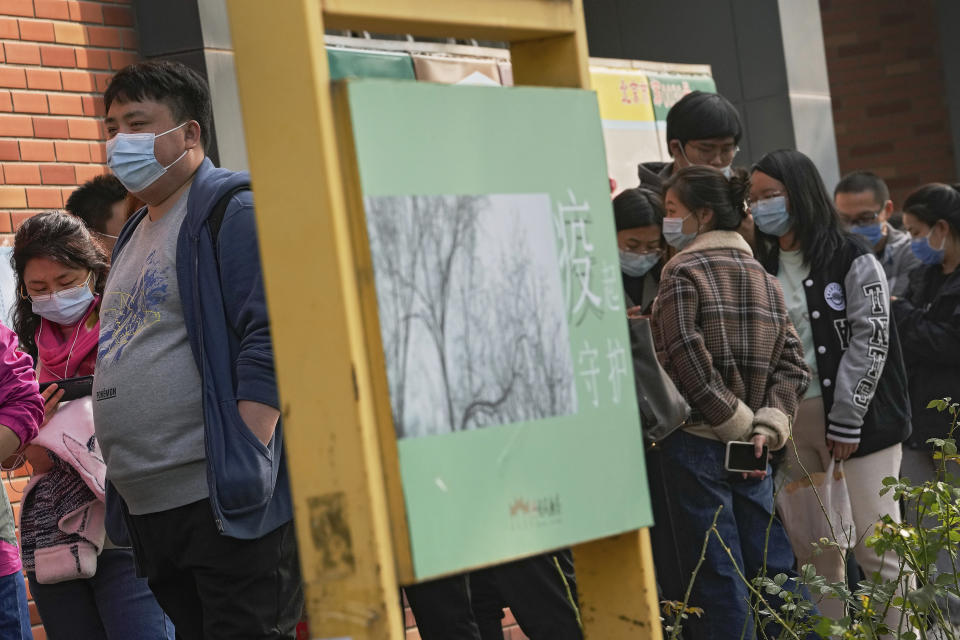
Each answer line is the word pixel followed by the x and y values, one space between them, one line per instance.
pixel 348 505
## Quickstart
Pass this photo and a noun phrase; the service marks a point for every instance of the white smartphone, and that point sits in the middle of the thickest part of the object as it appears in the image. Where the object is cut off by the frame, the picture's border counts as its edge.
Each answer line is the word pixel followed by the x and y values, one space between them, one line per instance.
pixel 742 457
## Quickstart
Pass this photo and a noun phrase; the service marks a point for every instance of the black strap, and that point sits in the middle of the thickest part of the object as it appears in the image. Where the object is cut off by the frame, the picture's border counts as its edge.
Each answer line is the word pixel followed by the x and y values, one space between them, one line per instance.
pixel 215 221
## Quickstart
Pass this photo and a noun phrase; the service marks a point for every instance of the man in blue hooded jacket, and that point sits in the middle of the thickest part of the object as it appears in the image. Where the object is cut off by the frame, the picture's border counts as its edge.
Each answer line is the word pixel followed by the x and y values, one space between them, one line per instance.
pixel 185 398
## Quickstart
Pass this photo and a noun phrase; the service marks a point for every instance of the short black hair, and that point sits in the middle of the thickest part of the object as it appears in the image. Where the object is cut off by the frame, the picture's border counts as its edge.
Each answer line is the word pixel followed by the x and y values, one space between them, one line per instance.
pixel 933 202
pixel 93 202
pixel 175 84
pixel 815 219
pixel 699 116
pixel 637 207
pixel 860 181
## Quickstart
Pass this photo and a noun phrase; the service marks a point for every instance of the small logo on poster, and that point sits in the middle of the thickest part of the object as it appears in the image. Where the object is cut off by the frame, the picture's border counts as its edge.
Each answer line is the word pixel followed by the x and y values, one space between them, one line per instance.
pixel 526 512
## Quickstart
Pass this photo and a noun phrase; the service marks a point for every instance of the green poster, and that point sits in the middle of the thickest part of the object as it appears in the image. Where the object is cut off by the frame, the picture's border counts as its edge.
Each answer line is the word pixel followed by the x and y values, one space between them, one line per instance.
pixel 349 63
pixel 502 318
pixel 666 89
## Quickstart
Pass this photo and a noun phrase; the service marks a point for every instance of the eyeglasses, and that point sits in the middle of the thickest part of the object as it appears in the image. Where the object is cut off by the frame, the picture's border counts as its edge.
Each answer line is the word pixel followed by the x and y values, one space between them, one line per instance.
pixel 708 152
pixel 750 202
pixel 862 219
pixel 42 297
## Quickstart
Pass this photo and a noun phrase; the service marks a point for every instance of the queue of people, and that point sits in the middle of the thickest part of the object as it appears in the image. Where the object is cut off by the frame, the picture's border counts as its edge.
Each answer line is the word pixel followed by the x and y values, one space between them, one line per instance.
pixel 159 505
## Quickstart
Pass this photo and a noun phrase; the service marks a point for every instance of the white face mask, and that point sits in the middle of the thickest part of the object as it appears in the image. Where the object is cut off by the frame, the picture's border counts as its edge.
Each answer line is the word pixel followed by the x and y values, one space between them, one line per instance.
pixel 66 307
pixel 673 232
pixel 131 158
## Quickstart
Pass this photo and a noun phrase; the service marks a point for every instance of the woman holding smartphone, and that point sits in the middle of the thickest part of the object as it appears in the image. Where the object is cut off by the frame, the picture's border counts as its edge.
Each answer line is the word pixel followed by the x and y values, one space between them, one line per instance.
pixel 723 334
pixel 84 587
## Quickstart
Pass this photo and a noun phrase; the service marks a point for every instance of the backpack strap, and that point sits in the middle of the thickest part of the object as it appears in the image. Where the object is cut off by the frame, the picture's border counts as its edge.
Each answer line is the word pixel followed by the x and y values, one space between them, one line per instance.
pixel 215 221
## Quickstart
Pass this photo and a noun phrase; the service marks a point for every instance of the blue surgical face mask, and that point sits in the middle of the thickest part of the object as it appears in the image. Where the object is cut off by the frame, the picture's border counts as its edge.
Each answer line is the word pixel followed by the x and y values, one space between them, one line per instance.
pixel 673 232
pixel 770 216
pixel 66 307
pixel 925 252
pixel 637 264
pixel 872 232
pixel 131 158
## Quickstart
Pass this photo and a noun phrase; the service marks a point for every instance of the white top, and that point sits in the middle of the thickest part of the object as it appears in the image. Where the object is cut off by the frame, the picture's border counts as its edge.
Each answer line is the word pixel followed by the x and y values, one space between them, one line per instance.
pixel 791 275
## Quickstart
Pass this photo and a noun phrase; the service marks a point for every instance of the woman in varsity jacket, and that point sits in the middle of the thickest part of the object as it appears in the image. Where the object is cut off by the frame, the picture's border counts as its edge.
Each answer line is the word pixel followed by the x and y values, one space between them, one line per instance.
pixel 856 409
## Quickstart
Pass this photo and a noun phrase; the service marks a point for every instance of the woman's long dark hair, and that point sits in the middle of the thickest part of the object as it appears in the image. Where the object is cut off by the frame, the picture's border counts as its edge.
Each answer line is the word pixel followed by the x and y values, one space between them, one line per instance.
pixel 60 237
pixel 815 220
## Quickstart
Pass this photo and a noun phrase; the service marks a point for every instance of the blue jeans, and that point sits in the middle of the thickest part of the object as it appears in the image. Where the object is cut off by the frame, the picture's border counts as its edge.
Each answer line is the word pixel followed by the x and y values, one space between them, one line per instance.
pixel 14 613
pixel 697 484
pixel 112 605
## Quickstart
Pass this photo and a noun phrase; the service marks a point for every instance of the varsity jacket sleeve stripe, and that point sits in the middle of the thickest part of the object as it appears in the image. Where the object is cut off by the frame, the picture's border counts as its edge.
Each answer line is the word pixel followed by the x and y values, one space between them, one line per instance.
pixel 690 362
pixel 868 317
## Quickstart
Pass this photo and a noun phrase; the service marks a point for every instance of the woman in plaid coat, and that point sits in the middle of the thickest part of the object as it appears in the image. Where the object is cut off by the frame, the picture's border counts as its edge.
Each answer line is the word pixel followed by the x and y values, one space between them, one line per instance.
pixel 724 336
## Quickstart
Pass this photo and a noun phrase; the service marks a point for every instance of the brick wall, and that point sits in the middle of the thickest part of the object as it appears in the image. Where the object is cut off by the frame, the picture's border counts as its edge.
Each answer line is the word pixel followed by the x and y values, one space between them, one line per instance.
pixel 889 105
pixel 56 57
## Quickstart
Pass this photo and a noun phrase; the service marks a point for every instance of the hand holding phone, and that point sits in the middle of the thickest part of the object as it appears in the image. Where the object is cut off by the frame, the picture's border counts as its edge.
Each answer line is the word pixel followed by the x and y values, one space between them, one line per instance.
pixel 742 457
pixel 72 388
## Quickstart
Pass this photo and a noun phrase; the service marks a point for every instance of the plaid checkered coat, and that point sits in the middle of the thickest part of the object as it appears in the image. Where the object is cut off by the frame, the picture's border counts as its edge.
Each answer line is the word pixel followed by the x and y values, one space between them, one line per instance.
pixel 723 334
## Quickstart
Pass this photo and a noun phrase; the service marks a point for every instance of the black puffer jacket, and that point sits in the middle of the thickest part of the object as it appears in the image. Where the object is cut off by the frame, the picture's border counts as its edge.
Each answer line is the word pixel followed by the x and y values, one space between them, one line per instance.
pixel 928 317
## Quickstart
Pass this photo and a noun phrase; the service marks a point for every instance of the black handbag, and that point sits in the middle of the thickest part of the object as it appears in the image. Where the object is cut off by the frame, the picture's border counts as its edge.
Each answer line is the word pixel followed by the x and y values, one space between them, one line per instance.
pixel 662 409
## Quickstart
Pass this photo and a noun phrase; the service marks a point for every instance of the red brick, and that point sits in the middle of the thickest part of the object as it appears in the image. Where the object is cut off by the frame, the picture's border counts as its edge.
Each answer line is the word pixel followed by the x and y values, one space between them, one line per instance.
pixel 6 103
pixel 29 102
pixel 53 56
pixel 68 151
pixel 86 129
pixel 58 174
pixel 65 104
pixel 105 37
pixel 93 58
pixel 70 33
pixel 18 8
pixel 118 16
pixel 98 152
pixel 14 197
pixel 6 227
pixel 43 79
pixel 14 78
pixel 120 59
pixel 78 81
pixel 44 198
pixel 8 29
pixel 19 217
pixel 36 30
pixel 103 81
pixel 14 126
pixel 20 173
pixel 130 39
pixel 887 108
pixel 85 12
pixel 9 151
pixel 53 9
pixel 93 106
pixel 50 128
pixel 87 172
pixel 22 52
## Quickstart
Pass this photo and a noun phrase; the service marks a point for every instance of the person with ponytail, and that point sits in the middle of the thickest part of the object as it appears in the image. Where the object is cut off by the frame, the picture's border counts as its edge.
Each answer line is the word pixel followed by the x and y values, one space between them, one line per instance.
pixel 856 411
pixel 723 334
pixel 928 317
pixel 84 586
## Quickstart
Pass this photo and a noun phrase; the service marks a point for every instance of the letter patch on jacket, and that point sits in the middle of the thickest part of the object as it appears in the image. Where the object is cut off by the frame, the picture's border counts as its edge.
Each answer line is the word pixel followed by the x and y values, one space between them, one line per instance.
pixel 842 327
pixel 833 294
pixel 875 292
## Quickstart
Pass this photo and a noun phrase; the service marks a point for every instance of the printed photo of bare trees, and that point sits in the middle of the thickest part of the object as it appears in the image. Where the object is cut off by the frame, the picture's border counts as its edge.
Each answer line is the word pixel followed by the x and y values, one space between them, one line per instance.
pixel 472 313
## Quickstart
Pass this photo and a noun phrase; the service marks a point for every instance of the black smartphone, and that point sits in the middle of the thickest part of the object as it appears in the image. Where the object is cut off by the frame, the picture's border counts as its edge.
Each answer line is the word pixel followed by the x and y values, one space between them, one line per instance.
pixel 73 388
pixel 741 457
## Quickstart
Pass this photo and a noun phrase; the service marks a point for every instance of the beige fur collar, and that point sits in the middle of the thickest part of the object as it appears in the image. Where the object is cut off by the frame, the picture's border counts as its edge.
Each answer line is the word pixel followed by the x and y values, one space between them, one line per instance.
pixel 719 240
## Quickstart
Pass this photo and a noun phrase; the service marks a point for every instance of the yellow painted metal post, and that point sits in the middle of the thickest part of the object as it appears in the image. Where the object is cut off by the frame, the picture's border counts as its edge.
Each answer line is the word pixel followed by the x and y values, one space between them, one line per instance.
pixel 331 386
pixel 331 440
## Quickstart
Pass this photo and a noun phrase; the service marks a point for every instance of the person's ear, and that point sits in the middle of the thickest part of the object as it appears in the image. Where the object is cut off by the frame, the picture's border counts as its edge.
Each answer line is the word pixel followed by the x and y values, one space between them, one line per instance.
pixel 192 136
pixel 887 211
pixel 705 216
pixel 676 148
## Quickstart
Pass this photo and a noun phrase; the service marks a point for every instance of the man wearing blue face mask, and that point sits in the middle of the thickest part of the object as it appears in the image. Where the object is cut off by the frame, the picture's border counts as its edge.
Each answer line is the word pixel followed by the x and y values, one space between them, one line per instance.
pixel 186 406
pixel 863 202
